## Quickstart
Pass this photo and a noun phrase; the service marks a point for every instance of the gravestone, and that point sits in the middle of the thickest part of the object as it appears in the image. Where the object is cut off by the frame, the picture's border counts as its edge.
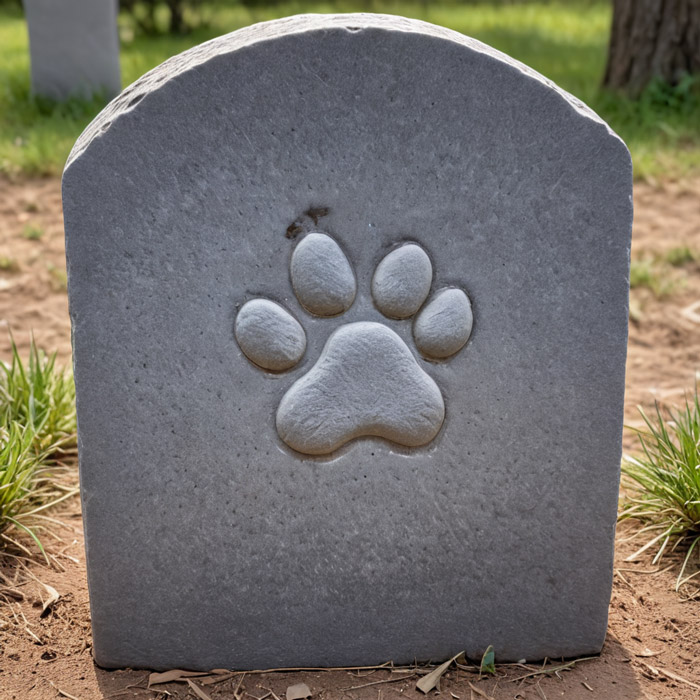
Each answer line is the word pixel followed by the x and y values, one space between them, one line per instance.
pixel 349 306
pixel 74 47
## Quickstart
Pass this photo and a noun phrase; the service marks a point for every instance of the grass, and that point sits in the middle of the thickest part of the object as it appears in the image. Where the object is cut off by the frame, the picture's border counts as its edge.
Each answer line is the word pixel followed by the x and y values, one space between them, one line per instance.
pixel 681 256
pixel 663 274
pixel 58 278
pixel 32 232
pixel 566 41
pixel 37 431
pixel 664 483
pixel 655 275
pixel 8 264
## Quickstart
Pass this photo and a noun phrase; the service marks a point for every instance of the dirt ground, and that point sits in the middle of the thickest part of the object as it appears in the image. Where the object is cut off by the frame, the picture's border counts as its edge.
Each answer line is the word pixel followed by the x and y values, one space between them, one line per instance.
pixel 653 644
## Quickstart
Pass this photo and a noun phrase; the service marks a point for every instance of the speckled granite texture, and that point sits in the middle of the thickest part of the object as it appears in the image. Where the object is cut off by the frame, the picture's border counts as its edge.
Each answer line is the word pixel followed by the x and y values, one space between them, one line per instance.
pixel 210 542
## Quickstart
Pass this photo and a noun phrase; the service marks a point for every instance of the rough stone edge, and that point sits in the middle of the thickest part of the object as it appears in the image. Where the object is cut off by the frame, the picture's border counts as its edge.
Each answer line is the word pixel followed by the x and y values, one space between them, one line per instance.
pixel 298 24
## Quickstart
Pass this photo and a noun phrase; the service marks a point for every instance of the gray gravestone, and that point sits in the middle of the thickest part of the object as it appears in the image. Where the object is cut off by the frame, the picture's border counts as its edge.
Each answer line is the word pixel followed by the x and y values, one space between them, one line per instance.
pixel 349 306
pixel 74 47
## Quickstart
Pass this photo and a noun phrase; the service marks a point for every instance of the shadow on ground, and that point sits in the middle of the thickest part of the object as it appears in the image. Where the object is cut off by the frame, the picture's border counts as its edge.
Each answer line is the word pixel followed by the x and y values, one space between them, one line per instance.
pixel 608 676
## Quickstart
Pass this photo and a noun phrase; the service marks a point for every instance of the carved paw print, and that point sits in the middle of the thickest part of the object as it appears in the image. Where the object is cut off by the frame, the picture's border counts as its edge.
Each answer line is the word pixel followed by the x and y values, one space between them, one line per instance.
pixel 366 381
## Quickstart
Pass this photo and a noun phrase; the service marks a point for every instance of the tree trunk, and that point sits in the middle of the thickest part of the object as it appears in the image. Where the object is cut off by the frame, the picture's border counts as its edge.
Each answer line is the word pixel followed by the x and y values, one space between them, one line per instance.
pixel 177 19
pixel 650 39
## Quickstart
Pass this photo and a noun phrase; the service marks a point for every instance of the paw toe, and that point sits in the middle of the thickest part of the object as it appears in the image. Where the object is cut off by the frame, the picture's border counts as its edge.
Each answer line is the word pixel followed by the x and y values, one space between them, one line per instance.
pixel 269 336
pixel 322 278
pixel 443 327
pixel 402 281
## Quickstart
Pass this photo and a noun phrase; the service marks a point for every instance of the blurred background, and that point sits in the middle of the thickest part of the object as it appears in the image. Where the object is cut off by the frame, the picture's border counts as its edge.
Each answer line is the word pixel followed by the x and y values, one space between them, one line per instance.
pixel 635 62
pixel 642 82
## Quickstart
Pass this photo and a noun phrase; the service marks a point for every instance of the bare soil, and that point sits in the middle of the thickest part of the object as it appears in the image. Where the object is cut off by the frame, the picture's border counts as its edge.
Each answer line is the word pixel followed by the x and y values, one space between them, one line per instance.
pixel 653 644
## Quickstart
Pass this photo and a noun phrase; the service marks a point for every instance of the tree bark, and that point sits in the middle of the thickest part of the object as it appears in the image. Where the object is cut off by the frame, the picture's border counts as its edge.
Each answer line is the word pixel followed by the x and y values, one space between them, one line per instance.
pixel 652 39
pixel 177 18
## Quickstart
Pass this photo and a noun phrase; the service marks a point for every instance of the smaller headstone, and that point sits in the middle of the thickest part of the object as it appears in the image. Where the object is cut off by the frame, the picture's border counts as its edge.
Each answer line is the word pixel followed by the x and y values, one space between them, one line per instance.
pixel 74 47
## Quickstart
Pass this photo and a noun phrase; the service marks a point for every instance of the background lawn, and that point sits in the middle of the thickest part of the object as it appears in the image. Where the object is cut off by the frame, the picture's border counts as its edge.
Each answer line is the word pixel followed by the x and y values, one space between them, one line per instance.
pixel 566 41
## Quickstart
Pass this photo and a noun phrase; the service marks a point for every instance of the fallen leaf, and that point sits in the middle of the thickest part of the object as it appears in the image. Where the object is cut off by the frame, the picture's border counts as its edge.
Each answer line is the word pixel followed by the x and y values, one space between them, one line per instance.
pixel 480 692
pixel 427 683
pixel 692 312
pixel 298 691
pixel 175 674
pixel 488 661
pixel 50 601
pixel 198 691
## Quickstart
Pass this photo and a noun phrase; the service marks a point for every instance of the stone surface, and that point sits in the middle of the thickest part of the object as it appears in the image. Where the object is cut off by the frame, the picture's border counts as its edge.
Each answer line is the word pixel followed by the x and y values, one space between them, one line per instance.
pixel 402 281
pixel 74 47
pixel 210 542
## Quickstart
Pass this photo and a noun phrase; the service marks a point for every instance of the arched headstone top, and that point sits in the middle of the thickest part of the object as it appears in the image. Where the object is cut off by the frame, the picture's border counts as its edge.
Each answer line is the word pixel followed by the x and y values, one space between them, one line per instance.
pixel 298 27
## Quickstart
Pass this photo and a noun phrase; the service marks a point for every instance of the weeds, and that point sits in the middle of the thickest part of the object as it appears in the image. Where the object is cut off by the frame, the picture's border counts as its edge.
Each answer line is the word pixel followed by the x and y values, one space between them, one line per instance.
pixel 665 482
pixel 654 276
pixel 8 264
pixel 58 278
pixel 37 431
pixel 488 661
pixel 678 257
pixel 32 232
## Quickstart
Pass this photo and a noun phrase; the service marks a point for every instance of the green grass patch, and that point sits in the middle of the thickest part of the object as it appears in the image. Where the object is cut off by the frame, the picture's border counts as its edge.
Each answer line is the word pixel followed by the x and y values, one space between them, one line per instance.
pixel 32 232
pixel 664 483
pixel 656 275
pixel 8 264
pixel 37 433
pixel 681 256
pixel 566 41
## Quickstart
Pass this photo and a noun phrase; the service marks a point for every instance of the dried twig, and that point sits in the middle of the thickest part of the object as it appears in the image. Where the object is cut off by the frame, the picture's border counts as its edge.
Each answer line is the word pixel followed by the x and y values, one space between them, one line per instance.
pixel 618 573
pixel 63 693
pixel 388 680
pixel 655 671
pixel 552 669
pixel 271 692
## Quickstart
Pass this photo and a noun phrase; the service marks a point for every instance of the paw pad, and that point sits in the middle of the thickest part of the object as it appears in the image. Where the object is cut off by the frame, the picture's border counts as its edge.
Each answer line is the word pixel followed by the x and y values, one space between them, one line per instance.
pixel 402 281
pixel 322 278
pixel 366 382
